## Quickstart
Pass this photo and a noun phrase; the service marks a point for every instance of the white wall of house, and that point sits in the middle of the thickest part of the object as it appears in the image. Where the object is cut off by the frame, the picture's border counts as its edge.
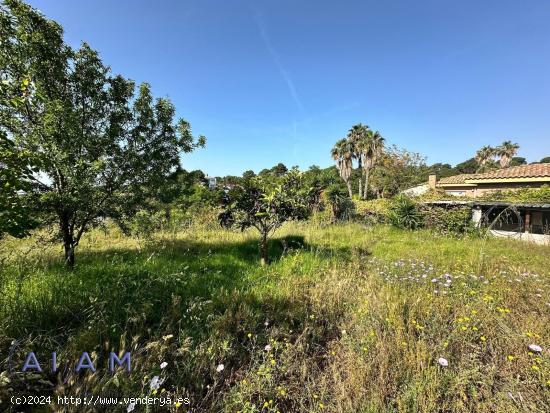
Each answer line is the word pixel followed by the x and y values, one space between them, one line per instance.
pixel 523 236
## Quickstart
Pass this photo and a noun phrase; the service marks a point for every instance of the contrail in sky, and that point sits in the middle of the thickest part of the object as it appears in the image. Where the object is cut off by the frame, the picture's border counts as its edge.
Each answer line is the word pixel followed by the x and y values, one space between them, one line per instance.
pixel 276 59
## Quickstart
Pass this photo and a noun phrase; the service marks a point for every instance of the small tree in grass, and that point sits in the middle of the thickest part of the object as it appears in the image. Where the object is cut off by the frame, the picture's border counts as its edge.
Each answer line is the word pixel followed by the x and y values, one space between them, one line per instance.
pixel 265 203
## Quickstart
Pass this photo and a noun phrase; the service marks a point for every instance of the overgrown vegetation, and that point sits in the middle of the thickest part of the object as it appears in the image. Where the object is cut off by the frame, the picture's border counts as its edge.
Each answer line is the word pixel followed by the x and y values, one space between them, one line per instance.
pixel 343 320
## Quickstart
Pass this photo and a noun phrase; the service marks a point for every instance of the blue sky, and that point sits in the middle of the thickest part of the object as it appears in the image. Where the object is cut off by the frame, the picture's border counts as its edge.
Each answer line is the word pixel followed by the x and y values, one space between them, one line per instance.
pixel 280 81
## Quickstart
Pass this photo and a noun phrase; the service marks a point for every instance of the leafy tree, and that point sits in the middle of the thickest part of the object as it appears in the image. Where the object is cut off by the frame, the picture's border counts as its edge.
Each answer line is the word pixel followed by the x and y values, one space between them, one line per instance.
pixel 15 200
pixel 467 167
pixel 398 169
pixel 248 175
pixel 265 204
pixel 442 170
pixel 517 161
pixel 545 159
pixel 100 145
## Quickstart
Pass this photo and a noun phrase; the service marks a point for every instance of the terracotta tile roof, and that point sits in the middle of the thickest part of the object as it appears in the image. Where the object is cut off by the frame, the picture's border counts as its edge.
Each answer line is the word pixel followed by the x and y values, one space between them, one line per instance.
pixel 523 171
pixel 538 170
pixel 455 179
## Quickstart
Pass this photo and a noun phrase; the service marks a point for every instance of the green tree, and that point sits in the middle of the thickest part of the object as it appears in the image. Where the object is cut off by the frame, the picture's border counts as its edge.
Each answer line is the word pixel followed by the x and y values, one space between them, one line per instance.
pixel 545 159
pixel 16 171
pixel 518 160
pixel 343 152
pixel 506 151
pixel 248 175
pixel 265 204
pixel 469 166
pixel 101 146
pixel 484 156
pixel 398 169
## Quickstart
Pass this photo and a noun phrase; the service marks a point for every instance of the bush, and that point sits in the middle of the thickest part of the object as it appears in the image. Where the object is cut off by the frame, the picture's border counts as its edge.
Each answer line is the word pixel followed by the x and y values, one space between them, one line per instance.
pixel 374 211
pixel 145 223
pixel 342 207
pixel 404 213
pixel 448 219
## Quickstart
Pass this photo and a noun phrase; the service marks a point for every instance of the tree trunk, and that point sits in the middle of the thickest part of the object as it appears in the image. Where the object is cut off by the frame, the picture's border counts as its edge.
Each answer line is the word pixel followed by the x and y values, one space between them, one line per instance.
pixel 264 259
pixel 366 187
pixel 361 185
pixel 350 191
pixel 68 240
pixel 69 255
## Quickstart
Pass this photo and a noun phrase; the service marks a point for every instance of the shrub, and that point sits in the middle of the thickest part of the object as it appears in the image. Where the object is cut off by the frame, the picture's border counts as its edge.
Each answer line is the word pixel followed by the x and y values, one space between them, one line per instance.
pixel 404 213
pixel 374 211
pixel 341 205
pixel 448 219
pixel 145 223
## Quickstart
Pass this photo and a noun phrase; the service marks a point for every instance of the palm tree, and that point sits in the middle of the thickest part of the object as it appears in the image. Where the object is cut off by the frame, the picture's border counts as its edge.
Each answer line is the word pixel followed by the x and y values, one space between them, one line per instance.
pixel 371 150
pixel 483 156
pixel 357 135
pixel 506 151
pixel 342 153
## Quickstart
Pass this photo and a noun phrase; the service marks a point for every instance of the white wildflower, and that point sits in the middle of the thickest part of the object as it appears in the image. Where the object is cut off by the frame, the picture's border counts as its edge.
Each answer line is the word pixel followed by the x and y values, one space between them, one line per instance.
pixel 163 365
pixel 220 368
pixel 442 362
pixel 156 382
pixel 535 348
pixel 131 407
pixel 267 348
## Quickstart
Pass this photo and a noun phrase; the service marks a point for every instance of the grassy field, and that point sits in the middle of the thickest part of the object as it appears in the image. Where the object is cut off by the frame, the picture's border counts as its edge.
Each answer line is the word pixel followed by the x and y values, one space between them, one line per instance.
pixel 345 319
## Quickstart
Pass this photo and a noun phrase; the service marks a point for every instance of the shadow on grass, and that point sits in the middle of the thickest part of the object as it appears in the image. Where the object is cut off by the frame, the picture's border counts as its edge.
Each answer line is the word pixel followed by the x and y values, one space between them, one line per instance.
pixel 116 290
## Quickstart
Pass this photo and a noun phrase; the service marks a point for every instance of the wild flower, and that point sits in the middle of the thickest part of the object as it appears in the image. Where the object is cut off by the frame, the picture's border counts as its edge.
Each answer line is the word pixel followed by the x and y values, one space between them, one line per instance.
pixel 220 368
pixel 510 357
pixel 443 362
pixel 155 383
pixel 267 347
pixel 163 365
pixel 131 407
pixel 535 348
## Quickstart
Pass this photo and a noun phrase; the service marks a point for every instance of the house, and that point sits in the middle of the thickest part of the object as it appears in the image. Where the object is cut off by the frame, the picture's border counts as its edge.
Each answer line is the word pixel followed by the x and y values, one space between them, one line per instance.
pixel 212 182
pixel 475 185
pixel 524 221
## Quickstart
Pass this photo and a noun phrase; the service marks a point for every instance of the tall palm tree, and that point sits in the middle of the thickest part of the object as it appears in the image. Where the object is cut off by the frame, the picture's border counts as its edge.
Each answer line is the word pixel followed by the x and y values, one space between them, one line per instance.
pixel 483 156
pixel 357 135
pixel 342 153
pixel 371 149
pixel 506 151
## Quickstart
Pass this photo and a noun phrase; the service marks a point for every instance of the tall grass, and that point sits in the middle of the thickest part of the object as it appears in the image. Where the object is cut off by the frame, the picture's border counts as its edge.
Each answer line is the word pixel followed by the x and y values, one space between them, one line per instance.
pixel 347 318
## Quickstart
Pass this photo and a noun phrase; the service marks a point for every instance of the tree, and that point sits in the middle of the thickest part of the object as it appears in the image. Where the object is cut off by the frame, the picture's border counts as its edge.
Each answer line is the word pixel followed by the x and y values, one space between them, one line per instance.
pixel 248 175
pixel 101 147
pixel 265 204
pixel 506 151
pixel 15 200
pixel 545 159
pixel 342 153
pixel 398 169
pixel 518 160
pixel 357 136
pixel 483 156
pixel 371 150
pixel 469 166
pixel 442 170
